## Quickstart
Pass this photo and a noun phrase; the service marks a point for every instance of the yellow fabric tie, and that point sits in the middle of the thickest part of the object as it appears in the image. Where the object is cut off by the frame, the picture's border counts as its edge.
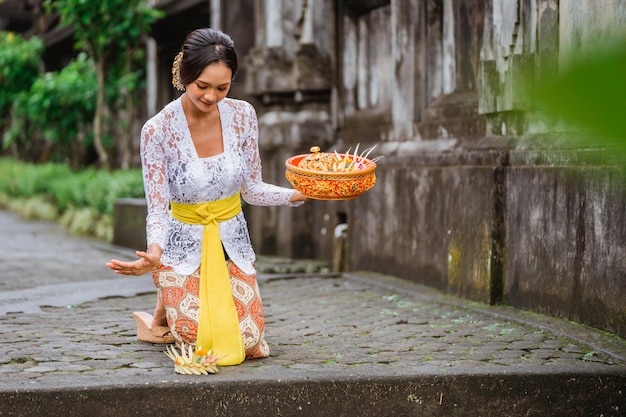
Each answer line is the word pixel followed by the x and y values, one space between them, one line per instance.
pixel 218 324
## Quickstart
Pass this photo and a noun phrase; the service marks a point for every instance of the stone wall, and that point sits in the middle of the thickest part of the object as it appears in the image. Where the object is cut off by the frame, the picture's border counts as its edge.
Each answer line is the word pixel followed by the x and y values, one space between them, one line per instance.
pixel 473 195
pixel 566 241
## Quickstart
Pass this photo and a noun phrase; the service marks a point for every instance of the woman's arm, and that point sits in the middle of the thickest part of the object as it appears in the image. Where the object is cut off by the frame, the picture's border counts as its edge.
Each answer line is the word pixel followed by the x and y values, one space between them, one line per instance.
pixel 154 170
pixel 155 183
pixel 255 191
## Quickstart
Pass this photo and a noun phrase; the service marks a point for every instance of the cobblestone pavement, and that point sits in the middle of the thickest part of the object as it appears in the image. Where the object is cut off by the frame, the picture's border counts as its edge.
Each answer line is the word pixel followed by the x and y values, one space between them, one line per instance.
pixel 319 325
pixel 314 325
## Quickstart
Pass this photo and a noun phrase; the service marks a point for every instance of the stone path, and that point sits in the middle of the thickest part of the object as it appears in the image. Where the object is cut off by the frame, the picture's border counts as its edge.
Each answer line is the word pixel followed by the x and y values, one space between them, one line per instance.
pixel 70 328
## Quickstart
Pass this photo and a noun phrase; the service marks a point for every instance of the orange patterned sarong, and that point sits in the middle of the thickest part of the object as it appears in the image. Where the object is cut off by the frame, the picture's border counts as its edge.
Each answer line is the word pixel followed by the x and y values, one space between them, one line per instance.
pixel 180 296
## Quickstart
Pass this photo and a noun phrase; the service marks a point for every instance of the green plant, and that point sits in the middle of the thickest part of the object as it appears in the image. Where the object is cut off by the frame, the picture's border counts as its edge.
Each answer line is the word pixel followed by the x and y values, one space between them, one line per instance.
pixel 109 31
pixel 24 180
pixel 57 109
pixel 82 201
pixel 97 190
pixel 589 95
pixel 19 65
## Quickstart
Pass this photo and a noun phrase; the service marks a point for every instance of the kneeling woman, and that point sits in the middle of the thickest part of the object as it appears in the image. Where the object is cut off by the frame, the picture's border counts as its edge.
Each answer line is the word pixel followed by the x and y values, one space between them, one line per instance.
pixel 199 157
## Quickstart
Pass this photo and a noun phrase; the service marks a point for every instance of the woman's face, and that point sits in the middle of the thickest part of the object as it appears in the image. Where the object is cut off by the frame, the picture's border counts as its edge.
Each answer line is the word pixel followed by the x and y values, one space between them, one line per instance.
pixel 211 86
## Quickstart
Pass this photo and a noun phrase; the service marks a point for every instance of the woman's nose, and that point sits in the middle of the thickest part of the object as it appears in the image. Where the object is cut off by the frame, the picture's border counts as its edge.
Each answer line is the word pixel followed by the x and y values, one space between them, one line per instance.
pixel 210 96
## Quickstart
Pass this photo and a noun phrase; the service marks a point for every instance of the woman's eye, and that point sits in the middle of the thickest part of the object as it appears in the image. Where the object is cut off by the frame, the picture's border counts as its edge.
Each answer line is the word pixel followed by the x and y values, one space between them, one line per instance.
pixel 222 88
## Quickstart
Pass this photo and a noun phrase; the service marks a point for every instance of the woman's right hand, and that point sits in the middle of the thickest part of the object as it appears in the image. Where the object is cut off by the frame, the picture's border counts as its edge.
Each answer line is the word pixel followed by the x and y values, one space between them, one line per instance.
pixel 147 262
pixel 297 197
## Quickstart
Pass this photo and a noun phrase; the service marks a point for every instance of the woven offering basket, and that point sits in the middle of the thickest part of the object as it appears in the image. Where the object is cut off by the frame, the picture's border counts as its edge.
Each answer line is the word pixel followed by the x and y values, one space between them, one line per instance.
pixel 328 185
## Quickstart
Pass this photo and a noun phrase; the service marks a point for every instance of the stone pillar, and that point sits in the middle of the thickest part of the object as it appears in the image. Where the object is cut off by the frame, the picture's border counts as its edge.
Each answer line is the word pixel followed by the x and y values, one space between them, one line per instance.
pixel 289 74
pixel 507 60
pixel 151 77
pixel 216 14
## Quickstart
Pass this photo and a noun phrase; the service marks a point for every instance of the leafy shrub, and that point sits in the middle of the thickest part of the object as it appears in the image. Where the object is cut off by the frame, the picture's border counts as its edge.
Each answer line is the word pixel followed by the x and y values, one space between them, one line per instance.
pixel 97 190
pixel 27 180
pixel 19 66
pixel 57 110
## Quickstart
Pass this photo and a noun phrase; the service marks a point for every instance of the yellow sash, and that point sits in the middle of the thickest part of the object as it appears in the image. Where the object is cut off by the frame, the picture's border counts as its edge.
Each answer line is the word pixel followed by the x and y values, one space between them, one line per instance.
pixel 218 324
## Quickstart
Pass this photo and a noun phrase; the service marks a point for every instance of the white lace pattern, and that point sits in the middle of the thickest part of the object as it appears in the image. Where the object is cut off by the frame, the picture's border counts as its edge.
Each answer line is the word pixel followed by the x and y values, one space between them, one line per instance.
pixel 173 171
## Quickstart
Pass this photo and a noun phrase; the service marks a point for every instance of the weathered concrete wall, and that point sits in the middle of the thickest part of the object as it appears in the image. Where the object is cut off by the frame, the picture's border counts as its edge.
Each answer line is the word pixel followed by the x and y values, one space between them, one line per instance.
pixel 566 241
pixel 464 202
pixel 433 220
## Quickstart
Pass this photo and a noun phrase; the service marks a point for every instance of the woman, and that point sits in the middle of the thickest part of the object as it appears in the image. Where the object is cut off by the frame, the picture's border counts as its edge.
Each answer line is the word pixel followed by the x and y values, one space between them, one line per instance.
pixel 199 155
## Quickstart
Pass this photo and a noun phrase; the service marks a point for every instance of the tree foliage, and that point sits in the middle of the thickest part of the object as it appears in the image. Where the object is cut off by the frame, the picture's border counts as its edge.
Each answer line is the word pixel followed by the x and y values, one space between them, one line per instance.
pixel 20 62
pixel 109 31
pixel 106 27
pixel 82 201
pixel 54 116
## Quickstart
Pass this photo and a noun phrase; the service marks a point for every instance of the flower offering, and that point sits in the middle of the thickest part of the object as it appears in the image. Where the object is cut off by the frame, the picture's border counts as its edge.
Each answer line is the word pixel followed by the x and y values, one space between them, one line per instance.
pixel 335 162
pixel 192 362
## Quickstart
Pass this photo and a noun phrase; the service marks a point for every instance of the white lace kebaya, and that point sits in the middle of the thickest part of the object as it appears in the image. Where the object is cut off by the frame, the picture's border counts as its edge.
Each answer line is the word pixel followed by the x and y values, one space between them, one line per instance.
pixel 173 171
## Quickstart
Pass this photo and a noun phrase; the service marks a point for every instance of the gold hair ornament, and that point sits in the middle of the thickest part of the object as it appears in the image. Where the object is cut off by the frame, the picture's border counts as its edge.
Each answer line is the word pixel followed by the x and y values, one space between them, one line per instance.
pixel 176 72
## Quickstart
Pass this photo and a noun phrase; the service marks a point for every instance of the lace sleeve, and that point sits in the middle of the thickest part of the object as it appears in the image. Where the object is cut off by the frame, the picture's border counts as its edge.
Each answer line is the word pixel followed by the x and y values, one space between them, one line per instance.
pixel 156 186
pixel 255 191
